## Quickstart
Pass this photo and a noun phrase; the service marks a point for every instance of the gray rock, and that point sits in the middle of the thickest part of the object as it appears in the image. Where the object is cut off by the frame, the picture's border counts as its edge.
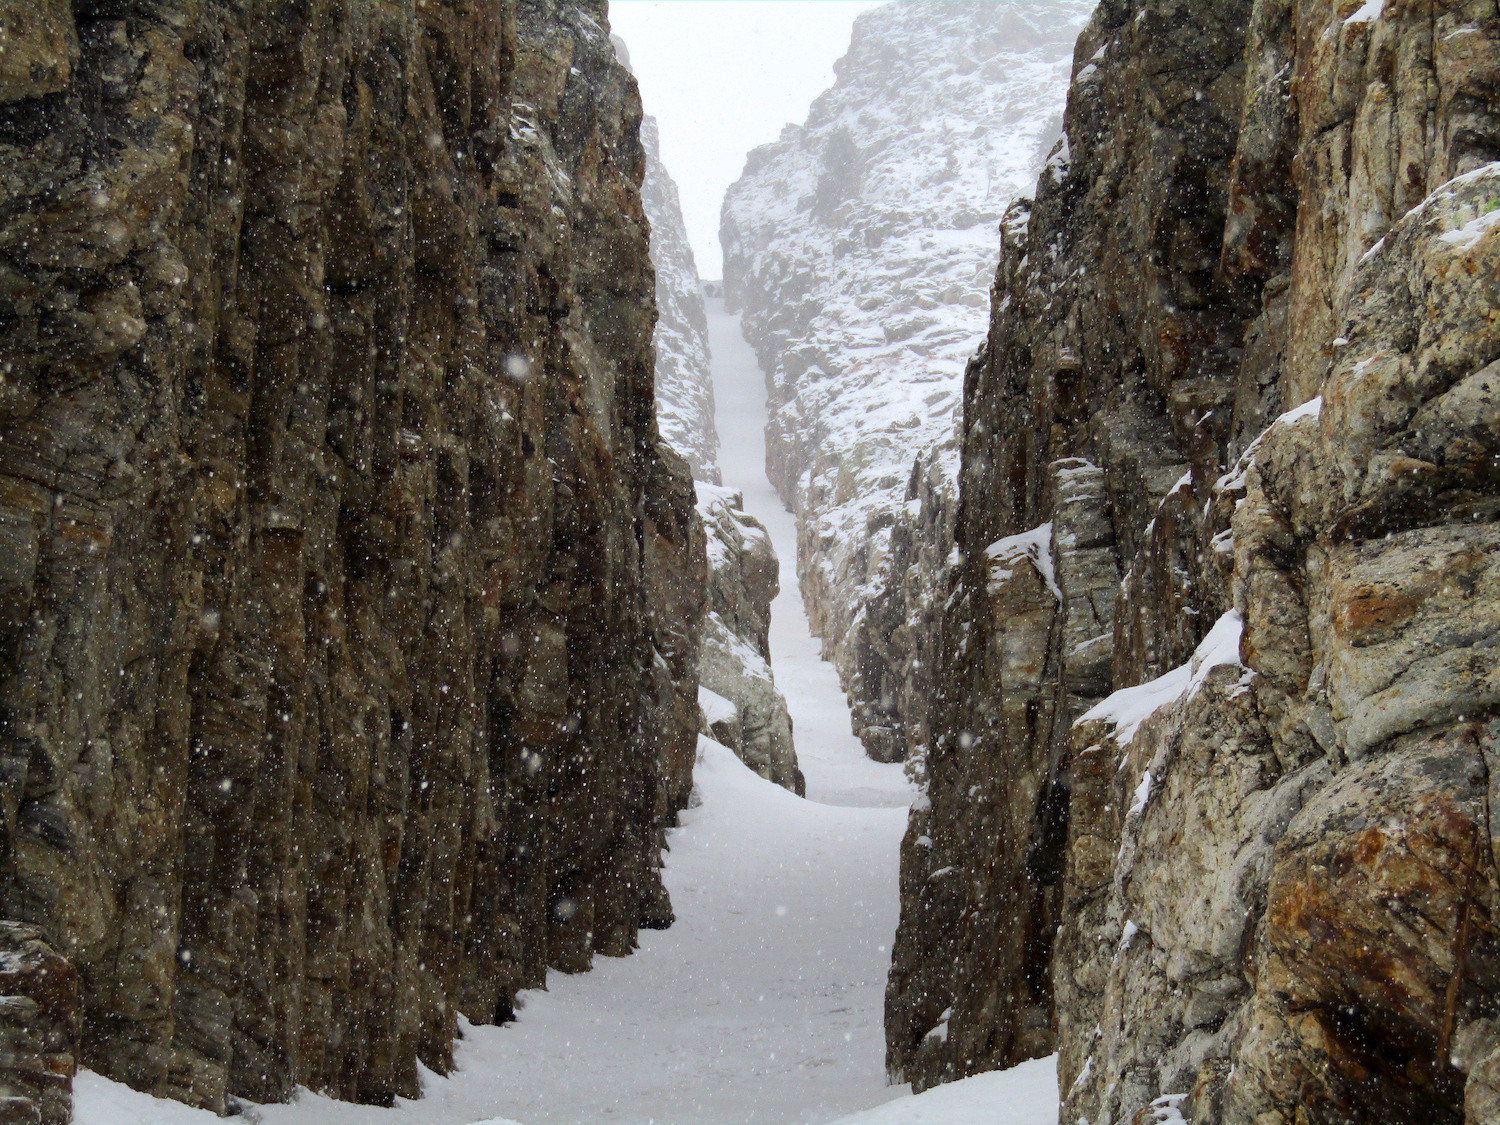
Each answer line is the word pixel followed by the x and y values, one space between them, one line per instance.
pixel 1274 893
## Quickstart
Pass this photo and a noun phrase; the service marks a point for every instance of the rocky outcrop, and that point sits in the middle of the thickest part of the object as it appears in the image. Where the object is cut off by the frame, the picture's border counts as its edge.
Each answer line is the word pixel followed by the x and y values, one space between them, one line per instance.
pixel 684 383
pixel 1254 881
pixel 859 249
pixel 349 605
pixel 742 707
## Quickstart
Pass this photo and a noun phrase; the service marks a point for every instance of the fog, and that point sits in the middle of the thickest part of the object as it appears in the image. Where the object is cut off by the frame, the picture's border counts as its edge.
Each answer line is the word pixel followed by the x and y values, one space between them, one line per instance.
pixel 723 76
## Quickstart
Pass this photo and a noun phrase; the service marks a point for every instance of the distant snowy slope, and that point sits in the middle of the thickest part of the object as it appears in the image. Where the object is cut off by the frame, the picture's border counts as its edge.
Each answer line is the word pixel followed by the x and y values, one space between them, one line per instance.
pixel 860 248
pixel 684 388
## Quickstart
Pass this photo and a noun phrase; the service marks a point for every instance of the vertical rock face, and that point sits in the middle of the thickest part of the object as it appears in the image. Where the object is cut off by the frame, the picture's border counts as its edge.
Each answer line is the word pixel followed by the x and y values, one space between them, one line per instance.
pixel 859 249
pixel 684 383
pixel 1209 797
pixel 349 604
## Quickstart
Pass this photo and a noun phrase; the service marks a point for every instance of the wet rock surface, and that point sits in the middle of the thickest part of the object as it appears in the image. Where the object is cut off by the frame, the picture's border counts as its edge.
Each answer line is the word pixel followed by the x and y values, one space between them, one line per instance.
pixel 349 605
pixel 1218 789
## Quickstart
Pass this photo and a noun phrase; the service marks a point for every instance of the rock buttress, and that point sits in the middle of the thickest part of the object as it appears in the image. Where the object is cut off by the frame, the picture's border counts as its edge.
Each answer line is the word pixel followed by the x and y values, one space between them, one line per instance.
pixel 742 706
pixel 1256 882
pixel 348 605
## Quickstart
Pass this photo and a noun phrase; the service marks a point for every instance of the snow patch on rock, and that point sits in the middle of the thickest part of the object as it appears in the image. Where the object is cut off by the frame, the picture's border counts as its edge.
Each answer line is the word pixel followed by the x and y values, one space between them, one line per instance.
pixel 1129 707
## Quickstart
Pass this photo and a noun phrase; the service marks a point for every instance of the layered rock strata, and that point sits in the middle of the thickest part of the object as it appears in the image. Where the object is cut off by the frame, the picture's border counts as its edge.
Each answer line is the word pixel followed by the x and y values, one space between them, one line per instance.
pixel 349 604
pixel 1209 801
pixel 859 249
pixel 742 707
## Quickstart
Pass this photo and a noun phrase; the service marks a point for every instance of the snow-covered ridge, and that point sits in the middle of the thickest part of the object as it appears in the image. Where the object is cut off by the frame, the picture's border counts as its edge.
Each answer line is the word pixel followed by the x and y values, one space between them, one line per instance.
pixel 860 248
pixel 684 387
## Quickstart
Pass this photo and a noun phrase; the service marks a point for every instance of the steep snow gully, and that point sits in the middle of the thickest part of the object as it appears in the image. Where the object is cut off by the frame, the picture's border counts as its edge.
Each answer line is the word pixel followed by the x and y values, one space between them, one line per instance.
pixel 763 1002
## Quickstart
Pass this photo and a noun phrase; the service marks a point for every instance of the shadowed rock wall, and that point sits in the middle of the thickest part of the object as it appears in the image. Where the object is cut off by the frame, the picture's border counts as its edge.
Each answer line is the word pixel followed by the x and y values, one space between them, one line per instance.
pixel 1209 789
pixel 349 606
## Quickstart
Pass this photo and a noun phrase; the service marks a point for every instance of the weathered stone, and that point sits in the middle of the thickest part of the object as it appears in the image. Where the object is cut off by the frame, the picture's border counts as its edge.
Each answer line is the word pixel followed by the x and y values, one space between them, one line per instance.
pixel 1278 896
pixel 349 605
pixel 743 579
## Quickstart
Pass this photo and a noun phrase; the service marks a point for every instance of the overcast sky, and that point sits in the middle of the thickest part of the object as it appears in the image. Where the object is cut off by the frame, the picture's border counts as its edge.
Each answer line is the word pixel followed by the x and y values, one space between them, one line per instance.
pixel 723 76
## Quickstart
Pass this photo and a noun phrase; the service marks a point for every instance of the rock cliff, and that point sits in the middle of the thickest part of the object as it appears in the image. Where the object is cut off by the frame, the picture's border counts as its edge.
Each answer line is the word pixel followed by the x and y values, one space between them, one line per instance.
pixel 1209 798
pixel 349 604
pixel 859 249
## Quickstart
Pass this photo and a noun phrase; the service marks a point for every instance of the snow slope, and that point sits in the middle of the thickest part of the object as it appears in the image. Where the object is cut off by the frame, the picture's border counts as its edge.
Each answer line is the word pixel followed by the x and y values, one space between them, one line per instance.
pixel 1022 1095
pixel 860 248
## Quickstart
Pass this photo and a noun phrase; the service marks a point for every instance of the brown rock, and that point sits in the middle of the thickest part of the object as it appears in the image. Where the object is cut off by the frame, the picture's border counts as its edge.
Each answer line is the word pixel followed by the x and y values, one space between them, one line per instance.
pixel 349 606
